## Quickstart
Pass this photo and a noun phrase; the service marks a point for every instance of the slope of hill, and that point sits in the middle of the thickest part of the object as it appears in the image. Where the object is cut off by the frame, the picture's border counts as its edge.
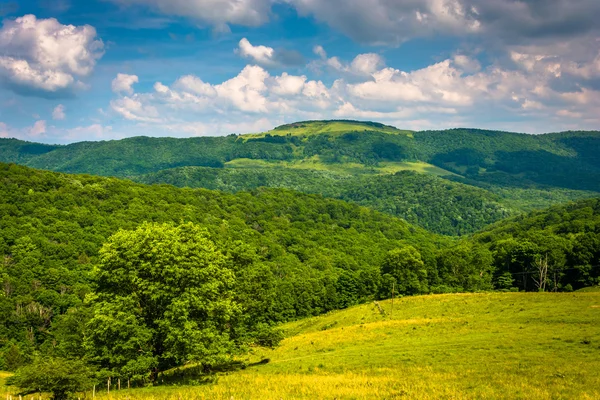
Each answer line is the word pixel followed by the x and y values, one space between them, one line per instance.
pixel 564 160
pixel 509 345
pixel 435 204
pixel 295 254
pixel 522 172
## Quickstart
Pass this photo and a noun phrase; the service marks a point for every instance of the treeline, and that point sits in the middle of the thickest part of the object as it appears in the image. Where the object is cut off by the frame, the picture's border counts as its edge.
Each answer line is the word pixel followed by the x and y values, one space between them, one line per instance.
pixel 563 240
pixel 433 203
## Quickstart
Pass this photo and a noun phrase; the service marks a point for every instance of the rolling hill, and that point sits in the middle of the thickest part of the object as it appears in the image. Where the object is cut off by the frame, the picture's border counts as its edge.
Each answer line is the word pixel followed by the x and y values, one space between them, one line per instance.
pixel 487 175
pixel 503 345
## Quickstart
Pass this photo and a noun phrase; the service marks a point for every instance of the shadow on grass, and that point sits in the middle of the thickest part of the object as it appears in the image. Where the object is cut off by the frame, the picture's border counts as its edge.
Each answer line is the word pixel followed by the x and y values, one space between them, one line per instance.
pixel 202 374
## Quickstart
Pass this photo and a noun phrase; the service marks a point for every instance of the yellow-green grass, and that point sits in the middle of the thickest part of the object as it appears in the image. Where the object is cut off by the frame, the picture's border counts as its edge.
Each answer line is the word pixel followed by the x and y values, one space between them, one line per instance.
pixel 590 289
pixel 422 167
pixel 457 346
pixel 314 163
pixel 319 127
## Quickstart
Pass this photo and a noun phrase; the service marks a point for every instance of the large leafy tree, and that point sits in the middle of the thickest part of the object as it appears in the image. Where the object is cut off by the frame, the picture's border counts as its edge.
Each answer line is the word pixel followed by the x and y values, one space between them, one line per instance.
pixel 164 298
pixel 406 268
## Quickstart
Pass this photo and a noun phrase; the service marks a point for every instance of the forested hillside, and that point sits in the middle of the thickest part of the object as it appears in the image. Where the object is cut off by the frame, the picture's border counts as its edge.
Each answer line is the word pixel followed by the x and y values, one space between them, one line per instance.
pixel 559 160
pixel 502 174
pixel 287 255
pixel 294 255
pixel 433 203
pixel 563 240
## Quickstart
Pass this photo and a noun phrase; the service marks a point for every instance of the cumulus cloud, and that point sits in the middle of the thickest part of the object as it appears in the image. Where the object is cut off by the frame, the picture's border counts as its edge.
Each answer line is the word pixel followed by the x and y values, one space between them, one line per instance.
pixel 44 57
pixel 39 128
pixel 260 54
pixel 59 112
pixel 268 56
pixel 362 65
pixel 217 13
pixel 123 83
pixel 391 21
pixel 455 91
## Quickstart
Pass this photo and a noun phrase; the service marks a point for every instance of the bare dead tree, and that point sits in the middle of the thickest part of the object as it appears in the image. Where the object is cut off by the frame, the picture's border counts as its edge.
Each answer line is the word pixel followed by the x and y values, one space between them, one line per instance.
pixel 541 266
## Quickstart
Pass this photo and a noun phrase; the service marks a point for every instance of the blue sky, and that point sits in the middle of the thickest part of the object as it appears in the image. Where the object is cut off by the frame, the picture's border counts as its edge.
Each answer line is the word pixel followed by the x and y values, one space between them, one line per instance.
pixel 73 70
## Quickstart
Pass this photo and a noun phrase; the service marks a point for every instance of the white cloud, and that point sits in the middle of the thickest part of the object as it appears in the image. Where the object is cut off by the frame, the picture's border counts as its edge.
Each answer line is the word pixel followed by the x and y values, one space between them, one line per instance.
pixel 42 56
pixel 39 128
pixel 288 85
pixel 123 83
pixel 366 64
pixel 453 92
pixel 320 51
pixel 466 63
pixel 59 112
pixel 134 109
pixel 90 132
pixel 261 55
pixel 362 65
pixel 268 56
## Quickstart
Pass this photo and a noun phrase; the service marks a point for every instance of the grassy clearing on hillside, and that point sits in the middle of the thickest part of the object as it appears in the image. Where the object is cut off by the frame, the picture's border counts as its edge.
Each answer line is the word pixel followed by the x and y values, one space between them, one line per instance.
pixel 314 163
pixel 318 127
pixel 422 167
pixel 459 346
pixel 590 289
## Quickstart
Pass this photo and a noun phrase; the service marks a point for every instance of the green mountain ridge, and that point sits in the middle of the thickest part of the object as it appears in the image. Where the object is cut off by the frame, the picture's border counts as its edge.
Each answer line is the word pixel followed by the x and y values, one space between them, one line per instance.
pixel 502 173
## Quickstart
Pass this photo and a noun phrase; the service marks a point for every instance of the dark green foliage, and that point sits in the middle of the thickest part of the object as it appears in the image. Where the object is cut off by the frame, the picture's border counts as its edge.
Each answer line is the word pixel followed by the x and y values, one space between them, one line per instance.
pixel 407 270
pixel 287 250
pixel 566 160
pixel 568 235
pixel 164 298
pixel 509 159
pixel 433 203
pixel 61 377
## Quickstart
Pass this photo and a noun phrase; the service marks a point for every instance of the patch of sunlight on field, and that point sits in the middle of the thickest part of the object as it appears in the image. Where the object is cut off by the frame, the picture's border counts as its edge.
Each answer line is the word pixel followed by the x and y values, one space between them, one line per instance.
pixel 319 127
pixel 422 167
pixel 590 289
pixel 315 163
pixel 455 346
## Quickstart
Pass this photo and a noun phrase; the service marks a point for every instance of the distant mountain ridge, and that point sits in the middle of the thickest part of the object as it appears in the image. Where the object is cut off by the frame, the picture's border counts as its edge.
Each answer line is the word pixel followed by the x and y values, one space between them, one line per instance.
pixel 519 171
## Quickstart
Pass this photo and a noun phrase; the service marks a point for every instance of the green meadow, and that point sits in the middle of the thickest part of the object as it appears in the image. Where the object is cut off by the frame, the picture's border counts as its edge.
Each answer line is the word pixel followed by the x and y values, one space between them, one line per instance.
pixel 309 128
pixel 455 346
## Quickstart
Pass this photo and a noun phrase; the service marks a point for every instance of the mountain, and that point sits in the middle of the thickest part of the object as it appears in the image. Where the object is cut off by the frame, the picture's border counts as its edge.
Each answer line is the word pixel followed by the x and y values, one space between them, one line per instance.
pixel 487 175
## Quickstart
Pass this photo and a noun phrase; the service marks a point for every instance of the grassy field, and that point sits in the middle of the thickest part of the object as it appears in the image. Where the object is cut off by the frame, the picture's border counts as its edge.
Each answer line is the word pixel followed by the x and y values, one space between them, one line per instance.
pixel 318 127
pixel 316 164
pixel 459 346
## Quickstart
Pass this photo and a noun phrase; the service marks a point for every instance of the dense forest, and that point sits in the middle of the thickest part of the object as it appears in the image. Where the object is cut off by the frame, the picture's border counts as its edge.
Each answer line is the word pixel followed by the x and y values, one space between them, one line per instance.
pixel 467 178
pixel 436 204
